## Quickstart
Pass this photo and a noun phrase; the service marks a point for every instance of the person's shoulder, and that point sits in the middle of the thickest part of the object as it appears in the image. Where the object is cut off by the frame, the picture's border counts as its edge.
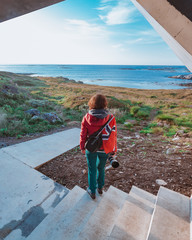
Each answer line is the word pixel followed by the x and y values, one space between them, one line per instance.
pixel 85 118
pixel 111 116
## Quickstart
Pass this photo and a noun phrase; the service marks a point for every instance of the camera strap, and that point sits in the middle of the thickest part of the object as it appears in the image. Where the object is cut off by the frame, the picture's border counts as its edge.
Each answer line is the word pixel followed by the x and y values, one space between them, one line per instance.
pixel 102 128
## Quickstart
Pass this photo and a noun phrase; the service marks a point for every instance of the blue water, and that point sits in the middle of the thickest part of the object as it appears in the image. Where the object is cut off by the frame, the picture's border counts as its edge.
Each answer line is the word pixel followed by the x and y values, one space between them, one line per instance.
pixel 143 77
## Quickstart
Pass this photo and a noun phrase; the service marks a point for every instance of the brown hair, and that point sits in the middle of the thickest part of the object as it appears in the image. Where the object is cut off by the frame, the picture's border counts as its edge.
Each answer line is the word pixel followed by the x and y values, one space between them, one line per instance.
pixel 97 101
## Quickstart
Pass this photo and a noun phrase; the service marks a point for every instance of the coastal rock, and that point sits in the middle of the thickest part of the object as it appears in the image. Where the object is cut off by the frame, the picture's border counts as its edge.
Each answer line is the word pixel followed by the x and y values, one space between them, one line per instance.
pixel 9 90
pixel 80 82
pixel 51 117
pixel 36 119
pixel 33 112
pixel 38 103
pixel 187 77
pixel 2 145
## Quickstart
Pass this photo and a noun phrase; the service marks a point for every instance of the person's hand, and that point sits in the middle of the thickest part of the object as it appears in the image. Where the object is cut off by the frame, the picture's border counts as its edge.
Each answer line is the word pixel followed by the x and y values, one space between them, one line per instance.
pixel 83 151
pixel 113 154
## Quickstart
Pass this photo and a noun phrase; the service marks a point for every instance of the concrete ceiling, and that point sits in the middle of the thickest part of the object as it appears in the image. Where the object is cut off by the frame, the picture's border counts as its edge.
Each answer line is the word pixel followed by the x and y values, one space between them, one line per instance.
pixel 172 19
pixel 14 8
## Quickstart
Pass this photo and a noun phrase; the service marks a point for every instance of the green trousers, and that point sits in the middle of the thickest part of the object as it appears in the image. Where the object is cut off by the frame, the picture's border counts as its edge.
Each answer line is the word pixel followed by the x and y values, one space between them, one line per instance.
pixel 96 169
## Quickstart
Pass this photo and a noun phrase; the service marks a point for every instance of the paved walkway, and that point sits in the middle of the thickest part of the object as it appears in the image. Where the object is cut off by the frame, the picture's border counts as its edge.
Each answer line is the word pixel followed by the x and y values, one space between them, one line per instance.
pixel 26 194
pixel 40 150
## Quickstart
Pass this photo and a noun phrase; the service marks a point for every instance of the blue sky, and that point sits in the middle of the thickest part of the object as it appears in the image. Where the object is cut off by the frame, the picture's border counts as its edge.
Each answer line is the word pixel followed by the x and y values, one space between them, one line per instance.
pixel 84 32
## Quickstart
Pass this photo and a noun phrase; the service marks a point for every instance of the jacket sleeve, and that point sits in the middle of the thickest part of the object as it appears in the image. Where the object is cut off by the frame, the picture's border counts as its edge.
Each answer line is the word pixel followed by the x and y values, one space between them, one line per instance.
pixel 115 136
pixel 83 134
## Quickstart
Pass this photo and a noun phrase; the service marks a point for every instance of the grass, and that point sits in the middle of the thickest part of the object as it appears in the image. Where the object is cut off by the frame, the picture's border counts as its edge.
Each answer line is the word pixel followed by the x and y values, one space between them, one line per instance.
pixel 69 100
pixel 16 97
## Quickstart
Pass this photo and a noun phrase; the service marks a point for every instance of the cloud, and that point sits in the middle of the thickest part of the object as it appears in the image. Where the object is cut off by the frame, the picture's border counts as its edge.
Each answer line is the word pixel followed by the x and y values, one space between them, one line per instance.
pixel 120 13
pixel 37 39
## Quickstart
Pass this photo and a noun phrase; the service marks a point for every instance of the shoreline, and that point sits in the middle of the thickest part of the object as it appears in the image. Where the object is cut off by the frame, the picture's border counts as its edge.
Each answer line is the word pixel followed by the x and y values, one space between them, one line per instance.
pixel 139 77
pixel 182 85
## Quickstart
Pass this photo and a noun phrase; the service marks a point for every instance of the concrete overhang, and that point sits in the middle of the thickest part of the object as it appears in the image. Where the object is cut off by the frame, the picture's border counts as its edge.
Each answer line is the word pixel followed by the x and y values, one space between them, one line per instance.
pixel 172 19
pixel 14 8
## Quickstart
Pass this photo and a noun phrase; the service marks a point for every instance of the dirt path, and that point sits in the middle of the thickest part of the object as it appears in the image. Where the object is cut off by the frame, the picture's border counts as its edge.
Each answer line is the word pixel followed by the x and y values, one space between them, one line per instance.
pixel 143 160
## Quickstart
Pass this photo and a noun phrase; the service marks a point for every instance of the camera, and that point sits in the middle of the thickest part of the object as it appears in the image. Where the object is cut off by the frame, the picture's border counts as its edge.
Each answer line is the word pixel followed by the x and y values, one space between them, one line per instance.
pixel 114 163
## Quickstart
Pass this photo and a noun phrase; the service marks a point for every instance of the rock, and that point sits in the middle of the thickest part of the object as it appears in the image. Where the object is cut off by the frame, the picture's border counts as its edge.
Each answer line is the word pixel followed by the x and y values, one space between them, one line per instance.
pixel 8 89
pixel 170 151
pixel 51 117
pixel 127 137
pixel 160 124
pixel 33 112
pixel 137 135
pixel 119 150
pixel 176 138
pixel 166 125
pixel 130 121
pixel 187 77
pixel 35 119
pixel 84 171
pixel 161 182
pixel 2 144
pixel 180 132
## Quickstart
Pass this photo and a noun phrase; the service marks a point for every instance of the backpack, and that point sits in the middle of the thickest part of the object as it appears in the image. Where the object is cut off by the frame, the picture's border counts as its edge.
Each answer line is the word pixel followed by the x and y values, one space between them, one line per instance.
pixel 94 142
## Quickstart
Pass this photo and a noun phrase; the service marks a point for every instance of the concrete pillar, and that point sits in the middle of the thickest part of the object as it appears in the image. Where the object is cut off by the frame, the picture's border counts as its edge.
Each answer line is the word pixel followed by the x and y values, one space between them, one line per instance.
pixel 14 8
pixel 172 19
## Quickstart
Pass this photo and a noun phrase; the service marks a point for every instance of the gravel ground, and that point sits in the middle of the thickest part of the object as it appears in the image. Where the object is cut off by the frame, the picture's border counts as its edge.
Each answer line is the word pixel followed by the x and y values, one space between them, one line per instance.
pixel 144 161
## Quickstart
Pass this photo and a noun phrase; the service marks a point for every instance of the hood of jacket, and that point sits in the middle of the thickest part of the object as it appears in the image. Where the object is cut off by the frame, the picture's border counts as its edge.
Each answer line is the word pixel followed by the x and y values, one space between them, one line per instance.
pixel 97 118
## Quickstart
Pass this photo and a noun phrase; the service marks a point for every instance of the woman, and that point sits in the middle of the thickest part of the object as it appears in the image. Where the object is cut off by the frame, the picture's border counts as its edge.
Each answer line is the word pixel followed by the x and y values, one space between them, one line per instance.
pixel 97 116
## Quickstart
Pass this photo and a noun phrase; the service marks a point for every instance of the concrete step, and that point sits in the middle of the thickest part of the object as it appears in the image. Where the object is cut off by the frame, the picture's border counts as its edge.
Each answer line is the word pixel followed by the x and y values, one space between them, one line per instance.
pixel 68 218
pixel 27 196
pixel 144 195
pixel 40 150
pixel 134 219
pixel 36 215
pixel 102 221
pixel 171 217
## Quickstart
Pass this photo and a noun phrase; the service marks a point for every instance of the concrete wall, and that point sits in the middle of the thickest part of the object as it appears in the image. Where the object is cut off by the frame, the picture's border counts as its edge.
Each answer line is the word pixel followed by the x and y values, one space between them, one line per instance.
pixel 172 20
pixel 14 8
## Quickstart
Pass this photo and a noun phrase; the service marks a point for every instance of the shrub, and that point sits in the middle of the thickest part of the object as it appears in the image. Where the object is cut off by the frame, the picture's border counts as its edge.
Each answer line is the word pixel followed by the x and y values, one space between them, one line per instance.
pixel 134 110
pixel 171 132
pixel 173 106
pixel 146 130
pixel 153 124
pixel 165 117
pixel 185 122
pixel 116 103
pixel 128 125
pixel 142 114
pixel 157 130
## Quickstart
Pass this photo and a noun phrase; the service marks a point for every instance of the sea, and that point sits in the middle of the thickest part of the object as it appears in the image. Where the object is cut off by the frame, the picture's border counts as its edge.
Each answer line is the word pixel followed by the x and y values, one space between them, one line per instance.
pixel 128 76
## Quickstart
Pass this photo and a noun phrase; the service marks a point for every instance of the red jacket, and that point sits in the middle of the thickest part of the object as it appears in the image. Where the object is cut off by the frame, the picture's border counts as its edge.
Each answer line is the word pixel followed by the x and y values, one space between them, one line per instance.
pixel 91 124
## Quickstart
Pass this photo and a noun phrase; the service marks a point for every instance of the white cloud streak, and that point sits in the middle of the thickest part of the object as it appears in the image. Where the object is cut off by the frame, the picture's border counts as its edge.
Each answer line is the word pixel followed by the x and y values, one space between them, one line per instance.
pixel 121 13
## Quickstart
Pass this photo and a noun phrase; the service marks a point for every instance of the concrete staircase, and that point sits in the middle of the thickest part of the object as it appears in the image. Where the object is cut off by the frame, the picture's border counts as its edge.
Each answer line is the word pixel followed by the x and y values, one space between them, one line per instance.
pixel 138 215
pixel 34 207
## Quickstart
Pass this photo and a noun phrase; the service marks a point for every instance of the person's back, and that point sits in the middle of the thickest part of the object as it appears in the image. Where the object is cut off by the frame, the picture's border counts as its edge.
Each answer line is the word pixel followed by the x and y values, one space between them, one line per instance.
pixel 97 116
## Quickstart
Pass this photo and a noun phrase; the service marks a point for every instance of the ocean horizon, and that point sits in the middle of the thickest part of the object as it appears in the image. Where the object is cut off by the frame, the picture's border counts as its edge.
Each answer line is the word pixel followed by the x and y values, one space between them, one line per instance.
pixel 129 76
